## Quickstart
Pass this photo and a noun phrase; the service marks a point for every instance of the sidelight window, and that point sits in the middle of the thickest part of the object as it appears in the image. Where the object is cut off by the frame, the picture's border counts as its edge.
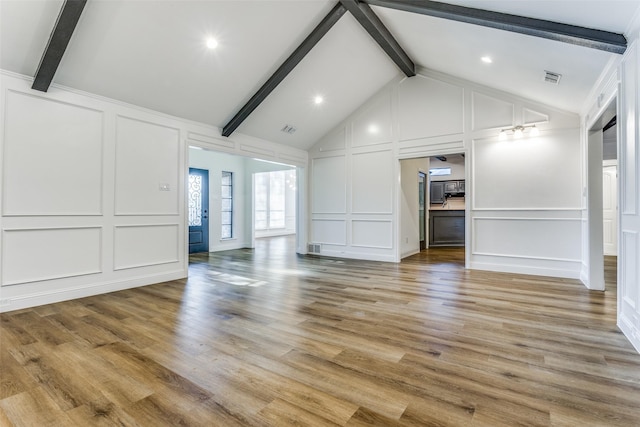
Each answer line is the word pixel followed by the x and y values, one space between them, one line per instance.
pixel 226 198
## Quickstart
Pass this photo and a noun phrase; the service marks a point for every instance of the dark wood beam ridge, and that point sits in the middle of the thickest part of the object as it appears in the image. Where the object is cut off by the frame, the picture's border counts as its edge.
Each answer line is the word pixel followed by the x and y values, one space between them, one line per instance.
pixel 289 64
pixel 58 41
pixel 374 26
pixel 581 36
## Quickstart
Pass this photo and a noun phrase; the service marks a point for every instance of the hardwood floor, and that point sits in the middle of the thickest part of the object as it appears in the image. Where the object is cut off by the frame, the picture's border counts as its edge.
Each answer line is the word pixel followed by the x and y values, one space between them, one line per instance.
pixel 267 338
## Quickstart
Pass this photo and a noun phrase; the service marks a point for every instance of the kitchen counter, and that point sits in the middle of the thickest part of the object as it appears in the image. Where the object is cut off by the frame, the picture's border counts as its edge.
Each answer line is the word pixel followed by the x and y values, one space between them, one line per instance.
pixel 452 204
pixel 446 227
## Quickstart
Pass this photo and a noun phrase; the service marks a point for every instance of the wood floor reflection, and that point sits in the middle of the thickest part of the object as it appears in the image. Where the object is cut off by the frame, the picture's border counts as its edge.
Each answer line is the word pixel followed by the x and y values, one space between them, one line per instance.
pixel 265 337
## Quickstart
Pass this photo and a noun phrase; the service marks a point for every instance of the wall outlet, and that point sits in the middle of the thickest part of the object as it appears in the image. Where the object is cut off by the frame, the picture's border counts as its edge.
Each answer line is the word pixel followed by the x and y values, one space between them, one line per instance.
pixel 165 187
pixel 4 302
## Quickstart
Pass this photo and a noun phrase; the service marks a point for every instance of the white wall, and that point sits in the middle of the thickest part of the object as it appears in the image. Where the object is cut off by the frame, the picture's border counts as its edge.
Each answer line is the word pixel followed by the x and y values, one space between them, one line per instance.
pixel 82 209
pixel 525 209
pixel 409 209
pixel 621 83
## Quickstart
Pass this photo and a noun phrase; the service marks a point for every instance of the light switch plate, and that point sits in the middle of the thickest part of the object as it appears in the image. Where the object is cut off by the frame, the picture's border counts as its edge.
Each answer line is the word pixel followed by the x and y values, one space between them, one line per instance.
pixel 165 187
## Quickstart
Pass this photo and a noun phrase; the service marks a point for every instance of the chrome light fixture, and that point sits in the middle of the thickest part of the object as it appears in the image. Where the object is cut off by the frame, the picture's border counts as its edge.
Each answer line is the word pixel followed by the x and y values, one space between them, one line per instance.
pixel 518 131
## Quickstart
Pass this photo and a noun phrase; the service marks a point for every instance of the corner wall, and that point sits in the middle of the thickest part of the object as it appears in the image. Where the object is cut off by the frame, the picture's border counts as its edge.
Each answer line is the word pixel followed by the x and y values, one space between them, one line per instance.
pixel 93 192
pixel 526 195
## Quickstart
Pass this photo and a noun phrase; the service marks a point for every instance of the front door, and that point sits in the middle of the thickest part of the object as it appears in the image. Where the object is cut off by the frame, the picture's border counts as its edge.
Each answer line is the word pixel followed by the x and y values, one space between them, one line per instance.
pixel 198 210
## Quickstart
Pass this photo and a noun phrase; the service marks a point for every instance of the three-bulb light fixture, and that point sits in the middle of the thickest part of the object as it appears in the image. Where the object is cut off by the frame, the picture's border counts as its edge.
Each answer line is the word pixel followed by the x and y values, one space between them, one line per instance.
pixel 519 131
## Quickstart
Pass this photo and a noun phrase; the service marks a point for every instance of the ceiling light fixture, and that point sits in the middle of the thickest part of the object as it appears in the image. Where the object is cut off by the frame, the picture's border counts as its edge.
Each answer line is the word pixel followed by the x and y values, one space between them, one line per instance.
pixel 373 129
pixel 212 43
pixel 486 59
pixel 519 131
pixel 318 100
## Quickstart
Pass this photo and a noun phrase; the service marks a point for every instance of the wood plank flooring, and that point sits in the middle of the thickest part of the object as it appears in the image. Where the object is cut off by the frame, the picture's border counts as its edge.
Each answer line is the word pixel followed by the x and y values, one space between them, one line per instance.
pixel 268 338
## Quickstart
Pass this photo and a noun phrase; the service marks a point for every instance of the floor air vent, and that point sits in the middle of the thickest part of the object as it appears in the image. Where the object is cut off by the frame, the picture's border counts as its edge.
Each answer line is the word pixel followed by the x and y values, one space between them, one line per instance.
pixel 313 248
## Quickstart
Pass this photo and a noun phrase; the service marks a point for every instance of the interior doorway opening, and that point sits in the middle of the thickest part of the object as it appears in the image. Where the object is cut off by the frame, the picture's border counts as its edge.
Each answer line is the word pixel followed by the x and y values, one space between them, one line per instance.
pixel 236 214
pixel 433 210
pixel 602 206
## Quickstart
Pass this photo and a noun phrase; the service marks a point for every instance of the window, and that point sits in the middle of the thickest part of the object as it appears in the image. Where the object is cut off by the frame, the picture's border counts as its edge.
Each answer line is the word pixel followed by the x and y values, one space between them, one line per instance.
pixel 226 199
pixel 270 198
pixel 439 171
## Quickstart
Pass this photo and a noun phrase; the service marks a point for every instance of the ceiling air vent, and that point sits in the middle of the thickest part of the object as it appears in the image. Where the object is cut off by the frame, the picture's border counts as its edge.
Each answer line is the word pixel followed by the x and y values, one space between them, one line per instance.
pixel 288 129
pixel 551 77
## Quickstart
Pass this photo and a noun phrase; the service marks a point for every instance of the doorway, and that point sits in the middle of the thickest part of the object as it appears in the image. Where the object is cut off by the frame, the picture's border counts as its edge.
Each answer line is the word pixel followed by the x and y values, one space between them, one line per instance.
pixel 198 210
pixel 596 233
pixel 422 196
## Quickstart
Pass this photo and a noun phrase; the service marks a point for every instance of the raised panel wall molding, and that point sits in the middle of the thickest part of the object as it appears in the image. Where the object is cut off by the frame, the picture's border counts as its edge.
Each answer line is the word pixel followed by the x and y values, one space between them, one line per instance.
pixel 68 252
pixel 531 116
pixel 372 233
pixel 490 113
pixel 52 157
pixel 155 149
pixel 145 245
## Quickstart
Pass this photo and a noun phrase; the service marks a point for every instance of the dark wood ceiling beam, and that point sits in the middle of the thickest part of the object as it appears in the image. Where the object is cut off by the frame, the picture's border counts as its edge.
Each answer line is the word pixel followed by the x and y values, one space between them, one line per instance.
pixel 289 64
pixel 370 22
pixel 581 36
pixel 58 42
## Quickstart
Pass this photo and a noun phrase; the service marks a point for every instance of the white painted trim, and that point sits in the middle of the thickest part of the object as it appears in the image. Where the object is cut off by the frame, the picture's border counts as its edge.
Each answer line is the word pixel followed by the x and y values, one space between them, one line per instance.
pixel 521 269
pixel 69 293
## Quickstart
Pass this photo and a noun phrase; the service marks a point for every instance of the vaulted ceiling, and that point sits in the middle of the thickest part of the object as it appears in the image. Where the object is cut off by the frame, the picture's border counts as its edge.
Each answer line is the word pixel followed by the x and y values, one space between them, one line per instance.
pixel 153 53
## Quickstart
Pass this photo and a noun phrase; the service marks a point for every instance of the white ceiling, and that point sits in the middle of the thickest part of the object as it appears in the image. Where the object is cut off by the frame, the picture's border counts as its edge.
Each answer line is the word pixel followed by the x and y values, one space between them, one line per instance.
pixel 152 53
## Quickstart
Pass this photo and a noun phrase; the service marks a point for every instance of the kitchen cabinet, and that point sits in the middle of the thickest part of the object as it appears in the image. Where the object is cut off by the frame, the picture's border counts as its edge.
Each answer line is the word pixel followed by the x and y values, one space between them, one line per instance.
pixel 437 192
pixel 446 227
pixel 440 188
pixel 451 186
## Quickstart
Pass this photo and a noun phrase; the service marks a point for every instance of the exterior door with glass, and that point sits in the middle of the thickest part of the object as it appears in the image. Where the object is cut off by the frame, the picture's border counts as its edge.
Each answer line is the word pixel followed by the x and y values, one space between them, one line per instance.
pixel 198 210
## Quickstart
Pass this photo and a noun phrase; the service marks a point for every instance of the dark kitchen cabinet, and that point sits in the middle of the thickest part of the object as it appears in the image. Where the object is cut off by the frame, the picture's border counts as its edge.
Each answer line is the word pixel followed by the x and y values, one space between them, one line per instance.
pixel 437 192
pixel 451 187
pixel 446 228
pixel 440 188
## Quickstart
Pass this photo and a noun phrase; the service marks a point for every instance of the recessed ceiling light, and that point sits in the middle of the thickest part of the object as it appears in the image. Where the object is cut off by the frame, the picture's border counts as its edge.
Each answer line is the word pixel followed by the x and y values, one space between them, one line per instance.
pixel 486 59
pixel 318 99
pixel 373 129
pixel 212 43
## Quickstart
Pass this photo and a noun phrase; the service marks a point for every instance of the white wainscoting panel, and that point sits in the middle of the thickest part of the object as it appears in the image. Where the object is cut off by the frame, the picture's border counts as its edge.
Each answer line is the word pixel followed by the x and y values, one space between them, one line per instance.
pixel 499 178
pixel 631 270
pixel 52 157
pixel 489 112
pixel 531 116
pixel 373 126
pixel 37 254
pixel 147 165
pixel 145 245
pixel 533 238
pixel 334 141
pixel 429 107
pixel 373 234
pixel 332 232
pixel 372 182
pixel 329 185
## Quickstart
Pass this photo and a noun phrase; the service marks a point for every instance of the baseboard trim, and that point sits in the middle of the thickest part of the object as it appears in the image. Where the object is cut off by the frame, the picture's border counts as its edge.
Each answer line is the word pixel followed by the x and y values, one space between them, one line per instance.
pixel 521 269
pixel 65 294
pixel 632 334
